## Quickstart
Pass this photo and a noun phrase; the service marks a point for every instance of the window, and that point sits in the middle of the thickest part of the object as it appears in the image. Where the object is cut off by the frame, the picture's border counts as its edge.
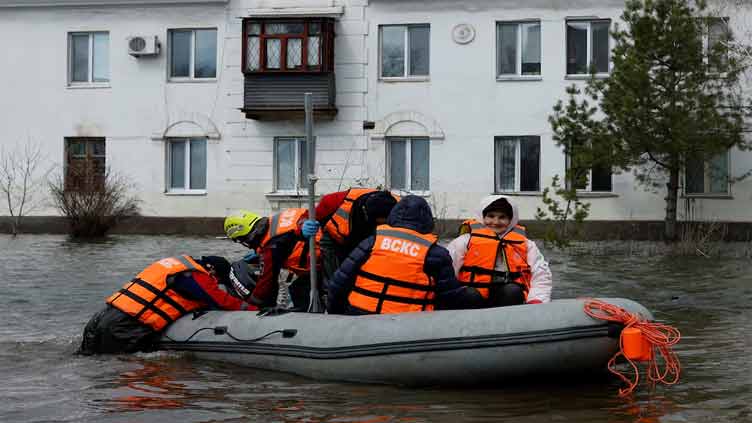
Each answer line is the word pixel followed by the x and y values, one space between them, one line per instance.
pixel 287 46
pixel 290 164
pixel 193 54
pixel 595 179
pixel 404 50
pixel 715 40
pixel 707 176
pixel 88 58
pixel 517 164
pixel 186 165
pixel 408 164
pixel 84 164
pixel 518 48
pixel 588 47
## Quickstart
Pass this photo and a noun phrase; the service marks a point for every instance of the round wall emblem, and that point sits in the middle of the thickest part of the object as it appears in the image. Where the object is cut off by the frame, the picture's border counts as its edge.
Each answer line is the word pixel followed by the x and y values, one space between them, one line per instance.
pixel 463 33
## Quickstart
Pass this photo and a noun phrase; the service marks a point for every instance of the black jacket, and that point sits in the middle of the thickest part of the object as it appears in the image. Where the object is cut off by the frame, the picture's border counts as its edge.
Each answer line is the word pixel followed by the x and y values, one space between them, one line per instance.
pixel 413 213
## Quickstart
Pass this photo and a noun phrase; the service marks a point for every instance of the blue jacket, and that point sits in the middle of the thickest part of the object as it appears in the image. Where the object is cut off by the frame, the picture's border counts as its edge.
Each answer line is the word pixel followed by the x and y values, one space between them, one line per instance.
pixel 413 213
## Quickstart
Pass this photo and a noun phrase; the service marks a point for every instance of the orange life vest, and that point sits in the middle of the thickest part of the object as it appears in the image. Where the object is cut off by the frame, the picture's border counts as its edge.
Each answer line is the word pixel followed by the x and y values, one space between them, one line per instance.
pixel 338 226
pixel 149 297
pixel 298 261
pixel 392 280
pixel 483 249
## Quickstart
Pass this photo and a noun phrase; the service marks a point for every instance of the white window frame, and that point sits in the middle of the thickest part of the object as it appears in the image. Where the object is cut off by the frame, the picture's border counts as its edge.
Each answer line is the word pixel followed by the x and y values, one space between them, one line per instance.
pixel 589 22
pixel 518 74
pixel 90 61
pixel 706 42
pixel 186 167
pixel 589 187
pixel 406 75
pixel 408 163
pixel 300 173
pixel 517 164
pixel 192 58
pixel 707 176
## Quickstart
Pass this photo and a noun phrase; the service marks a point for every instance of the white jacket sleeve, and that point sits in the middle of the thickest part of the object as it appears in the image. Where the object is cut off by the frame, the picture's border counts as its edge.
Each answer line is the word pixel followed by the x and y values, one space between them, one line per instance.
pixel 457 250
pixel 541 284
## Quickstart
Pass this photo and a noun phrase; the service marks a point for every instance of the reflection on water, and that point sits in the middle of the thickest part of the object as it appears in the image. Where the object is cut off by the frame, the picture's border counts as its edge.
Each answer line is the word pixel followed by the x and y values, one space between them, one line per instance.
pixel 51 286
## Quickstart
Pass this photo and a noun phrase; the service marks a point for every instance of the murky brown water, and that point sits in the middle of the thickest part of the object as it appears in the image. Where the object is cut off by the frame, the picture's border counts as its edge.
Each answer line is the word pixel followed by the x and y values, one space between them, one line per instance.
pixel 51 287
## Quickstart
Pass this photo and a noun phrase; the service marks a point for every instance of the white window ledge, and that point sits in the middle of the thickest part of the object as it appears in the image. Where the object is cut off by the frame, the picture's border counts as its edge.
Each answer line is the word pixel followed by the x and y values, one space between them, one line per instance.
pixel 406 79
pixel 403 193
pixel 191 80
pixel 84 86
pixel 506 78
pixel 520 193
pixel 588 194
pixel 585 77
pixel 709 196
pixel 195 192
pixel 282 195
pixel 301 12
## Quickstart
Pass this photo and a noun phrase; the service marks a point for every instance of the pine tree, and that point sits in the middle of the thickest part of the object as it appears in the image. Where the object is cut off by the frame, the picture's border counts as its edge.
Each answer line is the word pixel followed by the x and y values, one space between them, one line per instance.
pixel 672 99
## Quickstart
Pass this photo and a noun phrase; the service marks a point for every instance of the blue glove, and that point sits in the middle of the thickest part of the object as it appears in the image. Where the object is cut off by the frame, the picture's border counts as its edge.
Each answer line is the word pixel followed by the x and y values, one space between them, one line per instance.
pixel 310 227
pixel 250 256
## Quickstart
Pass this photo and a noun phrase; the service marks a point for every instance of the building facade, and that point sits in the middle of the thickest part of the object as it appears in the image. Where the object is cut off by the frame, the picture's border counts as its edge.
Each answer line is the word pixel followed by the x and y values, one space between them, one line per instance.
pixel 200 103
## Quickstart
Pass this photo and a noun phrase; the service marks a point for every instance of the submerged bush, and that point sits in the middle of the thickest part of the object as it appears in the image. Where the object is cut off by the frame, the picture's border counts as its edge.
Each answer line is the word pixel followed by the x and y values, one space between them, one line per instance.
pixel 96 205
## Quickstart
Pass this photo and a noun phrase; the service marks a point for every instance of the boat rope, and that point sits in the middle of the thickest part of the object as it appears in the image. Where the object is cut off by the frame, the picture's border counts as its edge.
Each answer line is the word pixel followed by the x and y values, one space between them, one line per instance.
pixel 222 330
pixel 639 341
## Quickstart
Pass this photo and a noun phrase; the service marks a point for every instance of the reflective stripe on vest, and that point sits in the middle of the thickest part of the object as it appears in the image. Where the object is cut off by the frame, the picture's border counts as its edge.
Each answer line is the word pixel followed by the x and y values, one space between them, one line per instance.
pixel 392 280
pixel 338 226
pixel 149 297
pixel 283 222
pixel 483 251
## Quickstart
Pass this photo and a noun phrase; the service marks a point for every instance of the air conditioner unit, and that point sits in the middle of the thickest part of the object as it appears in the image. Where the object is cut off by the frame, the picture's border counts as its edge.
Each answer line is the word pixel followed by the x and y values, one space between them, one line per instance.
pixel 143 45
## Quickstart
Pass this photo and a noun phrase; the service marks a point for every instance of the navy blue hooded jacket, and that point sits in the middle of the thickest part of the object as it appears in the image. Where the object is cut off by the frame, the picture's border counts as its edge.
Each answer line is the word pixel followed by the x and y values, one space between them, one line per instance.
pixel 413 213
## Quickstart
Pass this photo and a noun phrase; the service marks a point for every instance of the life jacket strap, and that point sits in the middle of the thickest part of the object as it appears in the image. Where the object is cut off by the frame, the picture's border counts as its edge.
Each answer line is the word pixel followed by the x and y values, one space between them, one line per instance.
pixel 158 295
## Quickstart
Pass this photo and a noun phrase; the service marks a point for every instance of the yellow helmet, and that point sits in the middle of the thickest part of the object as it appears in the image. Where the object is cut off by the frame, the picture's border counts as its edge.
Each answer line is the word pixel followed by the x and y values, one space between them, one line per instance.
pixel 240 224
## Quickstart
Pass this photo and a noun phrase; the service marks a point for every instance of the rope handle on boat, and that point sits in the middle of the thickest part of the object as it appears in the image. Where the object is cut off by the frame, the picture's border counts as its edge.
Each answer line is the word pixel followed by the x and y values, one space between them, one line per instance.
pixel 639 341
pixel 222 330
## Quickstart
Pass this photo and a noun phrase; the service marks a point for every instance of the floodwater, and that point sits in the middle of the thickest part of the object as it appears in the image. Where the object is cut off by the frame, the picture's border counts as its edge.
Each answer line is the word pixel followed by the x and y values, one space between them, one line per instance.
pixel 51 286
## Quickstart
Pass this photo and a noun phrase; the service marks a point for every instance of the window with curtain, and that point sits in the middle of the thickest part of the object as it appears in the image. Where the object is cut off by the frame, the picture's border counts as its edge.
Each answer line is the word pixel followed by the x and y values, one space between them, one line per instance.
pixel 404 50
pixel 186 164
pixel 88 58
pixel 588 46
pixel 290 164
pixel 287 46
pixel 193 54
pixel 707 177
pixel 518 48
pixel 408 162
pixel 517 163
pixel 85 164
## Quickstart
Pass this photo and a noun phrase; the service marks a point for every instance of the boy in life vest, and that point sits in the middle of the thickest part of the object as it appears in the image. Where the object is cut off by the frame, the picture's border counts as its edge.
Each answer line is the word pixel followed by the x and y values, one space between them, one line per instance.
pixel 136 315
pixel 400 269
pixel 494 256
pixel 277 241
pixel 347 217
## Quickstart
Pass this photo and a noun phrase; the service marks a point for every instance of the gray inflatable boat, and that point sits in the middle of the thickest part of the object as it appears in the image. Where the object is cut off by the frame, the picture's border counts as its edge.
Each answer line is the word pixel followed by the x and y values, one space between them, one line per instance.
pixel 441 347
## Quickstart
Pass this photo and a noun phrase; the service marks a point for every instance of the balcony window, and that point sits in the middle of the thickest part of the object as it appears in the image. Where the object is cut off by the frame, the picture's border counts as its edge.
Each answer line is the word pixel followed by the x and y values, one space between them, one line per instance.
pixel 287 45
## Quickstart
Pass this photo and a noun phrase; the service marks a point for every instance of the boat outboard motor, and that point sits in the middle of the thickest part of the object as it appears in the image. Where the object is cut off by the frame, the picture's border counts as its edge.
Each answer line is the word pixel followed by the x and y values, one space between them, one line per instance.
pixel 243 277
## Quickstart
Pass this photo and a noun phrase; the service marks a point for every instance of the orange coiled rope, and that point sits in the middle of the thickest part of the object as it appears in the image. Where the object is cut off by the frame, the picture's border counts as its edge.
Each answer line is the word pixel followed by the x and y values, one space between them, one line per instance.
pixel 660 337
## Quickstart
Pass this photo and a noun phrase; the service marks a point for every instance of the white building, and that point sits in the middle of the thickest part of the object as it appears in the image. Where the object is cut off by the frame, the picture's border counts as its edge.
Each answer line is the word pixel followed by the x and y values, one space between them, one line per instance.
pixel 445 99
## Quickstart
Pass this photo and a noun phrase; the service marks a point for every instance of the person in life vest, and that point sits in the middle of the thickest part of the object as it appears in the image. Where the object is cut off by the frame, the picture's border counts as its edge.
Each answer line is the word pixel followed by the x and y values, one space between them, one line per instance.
pixel 279 245
pixel 400 269
pixel 494 256
pixel 347 218
pixel 136 315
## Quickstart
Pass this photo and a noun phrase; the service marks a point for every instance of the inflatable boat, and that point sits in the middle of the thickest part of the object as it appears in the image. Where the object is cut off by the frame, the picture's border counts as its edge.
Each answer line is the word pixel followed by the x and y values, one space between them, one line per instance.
pixel 432 348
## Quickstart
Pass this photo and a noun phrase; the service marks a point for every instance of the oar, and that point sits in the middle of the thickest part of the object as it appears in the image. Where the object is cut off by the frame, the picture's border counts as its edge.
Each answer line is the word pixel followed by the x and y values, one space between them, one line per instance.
pixel 314 305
